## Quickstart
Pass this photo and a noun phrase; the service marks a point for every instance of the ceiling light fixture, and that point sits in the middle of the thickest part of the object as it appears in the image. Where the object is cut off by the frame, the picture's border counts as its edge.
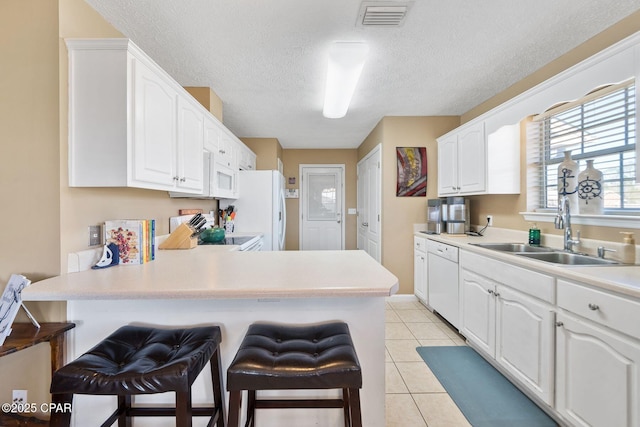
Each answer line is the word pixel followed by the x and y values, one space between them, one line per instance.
pixel 346 60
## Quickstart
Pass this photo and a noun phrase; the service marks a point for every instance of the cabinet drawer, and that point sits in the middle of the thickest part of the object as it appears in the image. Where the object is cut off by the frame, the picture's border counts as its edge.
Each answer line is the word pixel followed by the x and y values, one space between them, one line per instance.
pixel 607 309
pixel 441 249
pixel 419 244
pixel 530 282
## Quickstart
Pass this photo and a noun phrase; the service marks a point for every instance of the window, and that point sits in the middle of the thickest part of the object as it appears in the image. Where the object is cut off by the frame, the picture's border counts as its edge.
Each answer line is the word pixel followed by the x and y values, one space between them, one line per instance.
pixel 601 127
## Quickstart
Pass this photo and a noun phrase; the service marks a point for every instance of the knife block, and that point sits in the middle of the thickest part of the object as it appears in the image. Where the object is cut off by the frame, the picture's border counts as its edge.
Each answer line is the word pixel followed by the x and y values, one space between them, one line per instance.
pixel 180 239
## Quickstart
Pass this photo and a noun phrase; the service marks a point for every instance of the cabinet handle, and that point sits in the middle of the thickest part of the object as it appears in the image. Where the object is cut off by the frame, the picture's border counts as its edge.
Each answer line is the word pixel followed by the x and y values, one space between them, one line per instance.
pixel 422 258
pixel 490 291
pixel 558 324
pixel 175 178
pixel 183 179
pixel 594 307
pixel 496 294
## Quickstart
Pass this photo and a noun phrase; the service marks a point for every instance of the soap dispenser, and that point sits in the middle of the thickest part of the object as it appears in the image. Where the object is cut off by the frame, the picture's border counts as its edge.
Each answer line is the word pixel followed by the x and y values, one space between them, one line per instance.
pixel 628 252
pixel 534 235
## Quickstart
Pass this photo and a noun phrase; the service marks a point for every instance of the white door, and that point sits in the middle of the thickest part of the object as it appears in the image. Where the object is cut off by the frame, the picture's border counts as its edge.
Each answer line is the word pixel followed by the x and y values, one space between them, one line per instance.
pixel 369 194
pixel 321 222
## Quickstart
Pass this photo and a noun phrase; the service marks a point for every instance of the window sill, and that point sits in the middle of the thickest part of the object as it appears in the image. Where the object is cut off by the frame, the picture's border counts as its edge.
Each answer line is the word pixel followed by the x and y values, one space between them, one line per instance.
pixel 621 221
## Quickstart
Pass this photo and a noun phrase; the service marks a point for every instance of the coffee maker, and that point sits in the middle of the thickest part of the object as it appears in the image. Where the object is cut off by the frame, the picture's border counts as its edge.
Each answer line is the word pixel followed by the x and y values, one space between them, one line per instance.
pixel 458 215
pixel 436 215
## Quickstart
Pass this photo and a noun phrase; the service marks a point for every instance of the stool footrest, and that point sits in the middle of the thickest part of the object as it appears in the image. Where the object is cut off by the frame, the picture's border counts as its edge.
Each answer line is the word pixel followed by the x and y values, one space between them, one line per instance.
pixel 140 411
pixel 299 403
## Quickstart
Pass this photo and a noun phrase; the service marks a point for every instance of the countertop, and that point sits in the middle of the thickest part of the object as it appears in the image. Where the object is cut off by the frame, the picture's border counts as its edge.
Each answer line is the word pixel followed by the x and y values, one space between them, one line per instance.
pixel 208 272
pixel 624 279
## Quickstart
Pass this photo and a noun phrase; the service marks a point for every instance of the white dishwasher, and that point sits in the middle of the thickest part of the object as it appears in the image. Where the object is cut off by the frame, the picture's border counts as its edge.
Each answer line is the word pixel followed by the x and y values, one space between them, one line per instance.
pixel 442 269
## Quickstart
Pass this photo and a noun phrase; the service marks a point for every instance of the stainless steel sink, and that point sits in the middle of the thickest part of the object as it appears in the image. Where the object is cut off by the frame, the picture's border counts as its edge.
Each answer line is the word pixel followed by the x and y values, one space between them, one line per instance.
pixel 566 258
pixel 513 247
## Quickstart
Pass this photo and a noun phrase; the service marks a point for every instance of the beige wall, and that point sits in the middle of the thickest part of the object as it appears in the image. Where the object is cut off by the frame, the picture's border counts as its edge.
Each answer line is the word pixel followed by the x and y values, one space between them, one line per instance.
pixel 53 218
pixel 268 151
pixel 400 213
pixel 208 98
pixel 81 207
pixel 29 175
pixel 292 160
pixel 506 208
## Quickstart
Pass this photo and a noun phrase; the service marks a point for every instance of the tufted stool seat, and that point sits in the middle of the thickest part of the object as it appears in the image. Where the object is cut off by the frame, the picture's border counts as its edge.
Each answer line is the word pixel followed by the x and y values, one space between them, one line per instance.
pixel 285 357
pixel 141 360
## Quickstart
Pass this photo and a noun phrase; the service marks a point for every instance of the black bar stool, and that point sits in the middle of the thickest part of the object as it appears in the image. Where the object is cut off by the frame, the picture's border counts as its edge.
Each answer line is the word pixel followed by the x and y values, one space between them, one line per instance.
pixel 284 357
pixel 138 360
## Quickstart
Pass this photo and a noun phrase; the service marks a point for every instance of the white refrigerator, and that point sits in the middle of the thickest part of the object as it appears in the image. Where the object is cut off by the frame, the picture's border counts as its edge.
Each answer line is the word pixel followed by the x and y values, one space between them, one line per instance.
pixel 260 207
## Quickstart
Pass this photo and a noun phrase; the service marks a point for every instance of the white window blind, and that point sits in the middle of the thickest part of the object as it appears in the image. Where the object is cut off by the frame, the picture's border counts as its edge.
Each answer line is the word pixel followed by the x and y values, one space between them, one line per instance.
pixel 602 127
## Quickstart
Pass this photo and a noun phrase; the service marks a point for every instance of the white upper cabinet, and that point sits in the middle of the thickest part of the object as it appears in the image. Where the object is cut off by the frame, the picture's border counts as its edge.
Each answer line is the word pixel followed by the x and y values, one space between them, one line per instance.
pixel 471 162
pixel 154 130
pixel 224 165
pixel 130 123
pixel 246 159
pixel 190 145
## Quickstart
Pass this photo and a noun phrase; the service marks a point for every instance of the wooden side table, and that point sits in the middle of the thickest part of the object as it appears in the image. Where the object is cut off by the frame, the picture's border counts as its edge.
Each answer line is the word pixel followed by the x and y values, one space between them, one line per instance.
pixel 25 335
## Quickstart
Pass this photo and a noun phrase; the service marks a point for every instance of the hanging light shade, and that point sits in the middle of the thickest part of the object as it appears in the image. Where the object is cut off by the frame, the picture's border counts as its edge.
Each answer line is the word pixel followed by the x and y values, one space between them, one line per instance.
pixel 346 60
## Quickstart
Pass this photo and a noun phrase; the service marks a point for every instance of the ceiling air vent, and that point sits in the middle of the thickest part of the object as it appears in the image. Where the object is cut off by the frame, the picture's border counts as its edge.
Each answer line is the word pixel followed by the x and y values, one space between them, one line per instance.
pixel 382 14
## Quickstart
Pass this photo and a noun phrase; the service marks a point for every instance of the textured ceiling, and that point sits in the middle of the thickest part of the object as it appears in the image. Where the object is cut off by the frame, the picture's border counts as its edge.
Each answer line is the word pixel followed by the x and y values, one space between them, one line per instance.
pixel 267 59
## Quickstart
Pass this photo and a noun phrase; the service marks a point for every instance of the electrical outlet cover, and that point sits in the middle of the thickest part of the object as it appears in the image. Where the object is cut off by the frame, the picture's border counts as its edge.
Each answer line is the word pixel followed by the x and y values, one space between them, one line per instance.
pixel 95 234
pixel 20 396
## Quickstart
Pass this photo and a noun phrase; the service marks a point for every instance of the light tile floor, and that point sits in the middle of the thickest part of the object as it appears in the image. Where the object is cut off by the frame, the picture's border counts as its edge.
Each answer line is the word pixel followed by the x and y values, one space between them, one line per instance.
pixel 414 396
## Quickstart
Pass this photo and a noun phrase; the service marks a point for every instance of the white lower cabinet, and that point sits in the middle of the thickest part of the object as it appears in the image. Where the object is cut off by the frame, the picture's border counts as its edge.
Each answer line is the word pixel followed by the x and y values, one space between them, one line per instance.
pixel 509 326
pixel 420 269
pixel 598 366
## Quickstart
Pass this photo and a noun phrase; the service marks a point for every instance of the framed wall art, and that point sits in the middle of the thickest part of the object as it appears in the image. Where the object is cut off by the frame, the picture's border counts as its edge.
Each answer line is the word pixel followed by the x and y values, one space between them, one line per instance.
pixel 412 171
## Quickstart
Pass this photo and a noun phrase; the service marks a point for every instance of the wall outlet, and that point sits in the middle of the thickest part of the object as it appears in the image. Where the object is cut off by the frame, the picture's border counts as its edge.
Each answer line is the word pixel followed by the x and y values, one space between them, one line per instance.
pixel 95 234
pixel 20 396
pixel 490 220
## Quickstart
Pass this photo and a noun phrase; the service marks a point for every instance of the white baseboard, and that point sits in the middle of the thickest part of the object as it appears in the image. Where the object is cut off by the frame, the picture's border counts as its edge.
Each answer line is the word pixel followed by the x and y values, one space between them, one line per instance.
pixel 402 298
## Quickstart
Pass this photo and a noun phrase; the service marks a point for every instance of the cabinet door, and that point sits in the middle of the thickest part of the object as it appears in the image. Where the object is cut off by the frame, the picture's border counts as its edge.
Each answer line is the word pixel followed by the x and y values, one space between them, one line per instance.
pixel 448 166
pixel 226 154
pixel 154 143
pixel 477 311
pixel 420 269
pixel 472 161
pixel 524 340
pixel 190 147
pixel 598 375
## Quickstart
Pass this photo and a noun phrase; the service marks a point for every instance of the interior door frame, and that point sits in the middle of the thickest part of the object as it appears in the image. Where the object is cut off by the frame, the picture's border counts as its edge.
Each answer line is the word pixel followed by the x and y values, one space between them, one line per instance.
pixel 302 199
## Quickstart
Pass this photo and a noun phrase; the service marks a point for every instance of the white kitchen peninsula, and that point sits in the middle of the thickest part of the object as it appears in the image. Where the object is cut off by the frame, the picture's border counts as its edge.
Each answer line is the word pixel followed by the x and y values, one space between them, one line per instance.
pixel 232 290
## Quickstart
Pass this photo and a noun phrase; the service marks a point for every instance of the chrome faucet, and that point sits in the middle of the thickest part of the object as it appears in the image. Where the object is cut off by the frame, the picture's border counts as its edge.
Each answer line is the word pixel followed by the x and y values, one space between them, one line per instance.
pixel 563 220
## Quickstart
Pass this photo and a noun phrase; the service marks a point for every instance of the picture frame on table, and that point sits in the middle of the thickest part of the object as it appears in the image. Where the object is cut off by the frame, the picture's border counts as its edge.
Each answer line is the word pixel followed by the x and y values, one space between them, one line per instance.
pixel 10 304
